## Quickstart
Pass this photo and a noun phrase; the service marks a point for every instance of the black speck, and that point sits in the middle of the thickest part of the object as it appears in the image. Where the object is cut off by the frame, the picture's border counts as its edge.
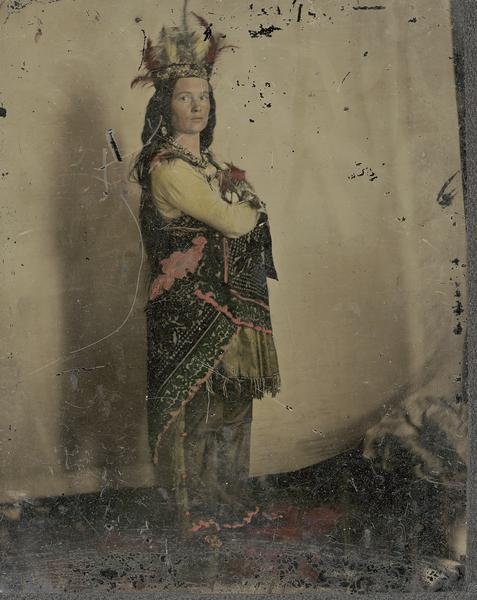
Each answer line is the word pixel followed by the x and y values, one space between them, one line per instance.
pixel 300 8
pixel 3 111
pixel 458 309
pixel 264 31
pixel 138 19
pixel 458 329
pixel 251 121
pixel 345 77
pixel 346 108
pixel 445 200
pixel 114 146
pixel 413 20
pixel 378 7
pixel 455 261
pixel 366 53
pixel 446 196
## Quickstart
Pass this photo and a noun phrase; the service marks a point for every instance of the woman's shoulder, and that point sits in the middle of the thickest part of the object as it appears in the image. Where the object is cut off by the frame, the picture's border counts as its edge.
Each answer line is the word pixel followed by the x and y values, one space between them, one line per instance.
pixel 177 175
pixel 164 166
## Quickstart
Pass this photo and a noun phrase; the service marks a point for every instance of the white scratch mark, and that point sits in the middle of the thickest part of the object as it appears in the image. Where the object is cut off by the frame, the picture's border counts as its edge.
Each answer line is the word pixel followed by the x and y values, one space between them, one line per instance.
pixel 53 362
pixel 429 243
pixel 74 405
pixel 126 318
pixel 105 171
pixel 136 292
pixel 208 406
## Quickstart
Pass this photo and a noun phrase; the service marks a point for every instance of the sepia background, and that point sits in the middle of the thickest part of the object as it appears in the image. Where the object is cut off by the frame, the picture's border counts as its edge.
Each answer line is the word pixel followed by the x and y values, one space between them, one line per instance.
pixel 345 120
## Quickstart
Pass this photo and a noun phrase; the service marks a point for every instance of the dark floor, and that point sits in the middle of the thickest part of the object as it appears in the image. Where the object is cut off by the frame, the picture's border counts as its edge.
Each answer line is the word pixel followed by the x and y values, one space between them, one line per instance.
pixel 343 524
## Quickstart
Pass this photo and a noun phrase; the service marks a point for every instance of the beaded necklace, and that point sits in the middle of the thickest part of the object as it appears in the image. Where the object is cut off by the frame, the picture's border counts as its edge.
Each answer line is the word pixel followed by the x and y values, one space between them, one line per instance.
pixel 198 162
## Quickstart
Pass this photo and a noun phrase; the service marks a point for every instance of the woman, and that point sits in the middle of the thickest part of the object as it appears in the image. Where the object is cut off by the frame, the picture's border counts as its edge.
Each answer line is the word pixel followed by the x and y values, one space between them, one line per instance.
pixel 210 341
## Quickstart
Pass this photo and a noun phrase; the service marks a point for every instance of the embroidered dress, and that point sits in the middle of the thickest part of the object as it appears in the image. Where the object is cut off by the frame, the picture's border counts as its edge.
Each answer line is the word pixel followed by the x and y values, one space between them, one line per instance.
pixel 210 340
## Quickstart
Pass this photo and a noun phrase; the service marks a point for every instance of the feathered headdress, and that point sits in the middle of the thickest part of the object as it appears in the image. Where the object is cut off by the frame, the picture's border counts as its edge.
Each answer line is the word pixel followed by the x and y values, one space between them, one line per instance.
pixel 180 52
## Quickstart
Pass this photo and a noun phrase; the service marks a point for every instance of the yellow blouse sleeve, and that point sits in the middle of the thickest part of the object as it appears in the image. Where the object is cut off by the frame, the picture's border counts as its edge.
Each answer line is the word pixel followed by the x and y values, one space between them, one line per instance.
pixel 178 185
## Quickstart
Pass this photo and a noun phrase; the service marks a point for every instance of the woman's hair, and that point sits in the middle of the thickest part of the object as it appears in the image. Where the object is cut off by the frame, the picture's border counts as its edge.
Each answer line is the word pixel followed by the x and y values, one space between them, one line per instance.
pixel 158 116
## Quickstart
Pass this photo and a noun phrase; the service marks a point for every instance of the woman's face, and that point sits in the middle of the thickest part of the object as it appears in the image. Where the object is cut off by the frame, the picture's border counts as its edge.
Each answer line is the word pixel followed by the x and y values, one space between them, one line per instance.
pixel 190 105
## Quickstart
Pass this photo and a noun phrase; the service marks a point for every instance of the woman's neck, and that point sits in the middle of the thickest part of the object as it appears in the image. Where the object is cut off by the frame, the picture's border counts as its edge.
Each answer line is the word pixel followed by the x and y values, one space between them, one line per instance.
pixel 189 141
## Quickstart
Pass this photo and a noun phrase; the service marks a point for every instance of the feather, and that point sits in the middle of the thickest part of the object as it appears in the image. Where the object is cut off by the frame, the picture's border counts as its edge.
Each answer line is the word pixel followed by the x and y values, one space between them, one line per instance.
pixel 150 59
pixel 212 52
pixel 229 178
pixel 214 44
pixel 185 26
pixel 180 45
pixel 204 52
pixel 201 20
pixel 200 50
pixel 159 54
pixel 142 80
pixel 170 48
pixel 219 48
pixel 236 173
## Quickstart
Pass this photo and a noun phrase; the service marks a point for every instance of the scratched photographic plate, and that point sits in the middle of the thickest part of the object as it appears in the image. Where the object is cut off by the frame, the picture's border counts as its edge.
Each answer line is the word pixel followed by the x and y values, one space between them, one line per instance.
pixel 345 117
